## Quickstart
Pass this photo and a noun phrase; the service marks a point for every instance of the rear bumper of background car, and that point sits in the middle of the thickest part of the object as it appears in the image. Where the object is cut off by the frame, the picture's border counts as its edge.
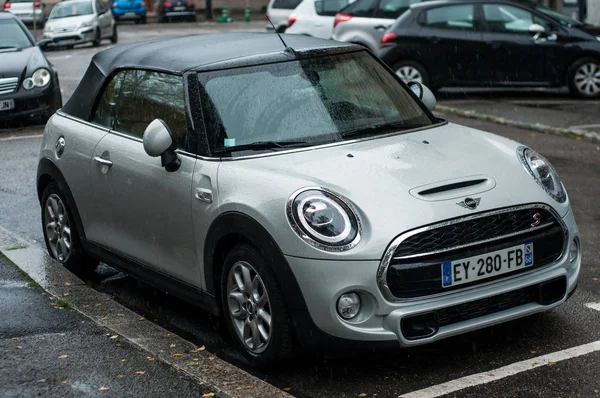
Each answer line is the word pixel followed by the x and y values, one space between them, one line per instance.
pixel 129 13
pixel 180 13
pixel 322 283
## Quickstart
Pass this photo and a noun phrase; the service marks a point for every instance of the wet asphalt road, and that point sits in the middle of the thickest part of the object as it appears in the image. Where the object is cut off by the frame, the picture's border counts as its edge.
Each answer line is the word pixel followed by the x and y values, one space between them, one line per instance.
pixel 391 372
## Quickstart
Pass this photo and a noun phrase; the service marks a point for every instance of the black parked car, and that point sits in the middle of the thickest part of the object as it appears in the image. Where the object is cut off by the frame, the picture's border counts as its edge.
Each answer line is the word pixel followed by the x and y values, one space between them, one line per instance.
pixel 169 10
pixel 493 43
pixel 29 89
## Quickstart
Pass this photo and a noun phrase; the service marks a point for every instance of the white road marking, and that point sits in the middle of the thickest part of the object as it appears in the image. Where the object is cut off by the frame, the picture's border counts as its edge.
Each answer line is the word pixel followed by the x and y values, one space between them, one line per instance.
pixel 594 306
pixel 22 137
pixel 586 126
pixel 505 371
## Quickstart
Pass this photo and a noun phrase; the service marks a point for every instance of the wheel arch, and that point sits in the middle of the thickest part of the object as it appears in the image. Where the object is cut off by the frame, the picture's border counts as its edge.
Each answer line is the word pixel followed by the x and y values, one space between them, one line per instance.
pixel 47 173
pixel 571 62
pixel 232 228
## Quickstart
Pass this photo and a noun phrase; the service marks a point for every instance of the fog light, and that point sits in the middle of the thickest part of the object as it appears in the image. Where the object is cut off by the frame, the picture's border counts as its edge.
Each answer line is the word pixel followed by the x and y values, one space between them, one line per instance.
pixel 574 250
pixel 28 84
pixel 348 305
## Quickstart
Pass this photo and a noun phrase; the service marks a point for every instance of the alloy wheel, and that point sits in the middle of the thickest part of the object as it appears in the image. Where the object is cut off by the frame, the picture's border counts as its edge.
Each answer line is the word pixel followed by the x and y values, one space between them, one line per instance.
pixel 409 74
pixel 58 228
pixel 587 79
pixel 249 307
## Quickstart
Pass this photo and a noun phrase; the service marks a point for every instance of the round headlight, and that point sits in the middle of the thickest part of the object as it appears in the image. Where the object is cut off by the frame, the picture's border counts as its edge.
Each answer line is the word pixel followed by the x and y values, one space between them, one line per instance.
pixel 543 173
pixel 348 305
pixel 324 220
pixel 41 77
pixel 28 84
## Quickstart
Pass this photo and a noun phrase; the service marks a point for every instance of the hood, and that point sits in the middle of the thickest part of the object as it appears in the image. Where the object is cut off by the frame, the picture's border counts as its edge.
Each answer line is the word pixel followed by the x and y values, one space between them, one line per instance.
pixel 69 22
pixel 21 63
pixel 396 183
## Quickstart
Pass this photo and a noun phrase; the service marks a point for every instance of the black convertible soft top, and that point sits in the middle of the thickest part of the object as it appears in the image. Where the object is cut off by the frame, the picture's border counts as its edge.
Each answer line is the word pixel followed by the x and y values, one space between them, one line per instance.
pixel 178 55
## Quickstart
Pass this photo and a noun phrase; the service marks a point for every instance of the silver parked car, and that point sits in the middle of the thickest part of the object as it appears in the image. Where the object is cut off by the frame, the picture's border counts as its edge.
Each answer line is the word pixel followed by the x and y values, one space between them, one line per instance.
pixel 365 21
pixel 303 192
pixel 80 21
pixel 27 11
pixel 278 13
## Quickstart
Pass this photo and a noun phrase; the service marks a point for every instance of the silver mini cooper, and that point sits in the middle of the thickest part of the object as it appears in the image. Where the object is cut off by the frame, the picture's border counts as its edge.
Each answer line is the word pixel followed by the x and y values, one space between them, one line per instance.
pixel 303 192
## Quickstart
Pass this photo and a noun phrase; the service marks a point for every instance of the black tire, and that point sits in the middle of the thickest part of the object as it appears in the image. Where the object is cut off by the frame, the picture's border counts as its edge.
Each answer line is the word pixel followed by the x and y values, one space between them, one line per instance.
pixel 115 36
pixel 97 38
pixel 76 260
pixel 577 71
pixel 143 20
pixel 415 66
pixel 193 18
pixel 281 29
pixel 280 343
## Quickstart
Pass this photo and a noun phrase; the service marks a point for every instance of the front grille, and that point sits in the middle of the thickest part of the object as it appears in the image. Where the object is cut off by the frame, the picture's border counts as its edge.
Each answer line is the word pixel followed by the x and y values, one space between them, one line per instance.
pixel 8 85
pixel 66 29
pixel 414 269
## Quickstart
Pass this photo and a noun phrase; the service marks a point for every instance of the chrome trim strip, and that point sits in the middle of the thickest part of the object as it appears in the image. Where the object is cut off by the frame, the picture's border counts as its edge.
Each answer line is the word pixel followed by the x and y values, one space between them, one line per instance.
pixel 389 253
pixel 8 85
pixel 479 242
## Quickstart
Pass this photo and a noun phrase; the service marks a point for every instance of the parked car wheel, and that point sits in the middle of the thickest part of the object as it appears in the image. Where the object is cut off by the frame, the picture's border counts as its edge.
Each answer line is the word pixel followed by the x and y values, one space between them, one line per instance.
pixel 60 232
pixel 410 71
pixel 97 38
pixel 143 20
pixel 583 78
pixel 256 314
pixel 115 36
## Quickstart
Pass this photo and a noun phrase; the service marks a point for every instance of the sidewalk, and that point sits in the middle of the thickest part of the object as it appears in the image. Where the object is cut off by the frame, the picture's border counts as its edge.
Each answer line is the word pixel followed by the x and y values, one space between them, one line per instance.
pixel 48 349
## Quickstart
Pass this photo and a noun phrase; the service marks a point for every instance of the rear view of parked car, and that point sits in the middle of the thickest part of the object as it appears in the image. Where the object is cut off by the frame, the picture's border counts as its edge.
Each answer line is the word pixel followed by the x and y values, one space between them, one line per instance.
pixel 365 21
pixel 129 10
pixel 27 11
pixel 278 12
pixel 171 10
pixel 29 88
pixel 493 43
pixel 315 17
pixel 74 22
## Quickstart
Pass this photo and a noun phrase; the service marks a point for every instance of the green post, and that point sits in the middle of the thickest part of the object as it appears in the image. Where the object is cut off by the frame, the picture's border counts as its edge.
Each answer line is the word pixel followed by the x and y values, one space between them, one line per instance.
pixel 224 17
pixel 247 13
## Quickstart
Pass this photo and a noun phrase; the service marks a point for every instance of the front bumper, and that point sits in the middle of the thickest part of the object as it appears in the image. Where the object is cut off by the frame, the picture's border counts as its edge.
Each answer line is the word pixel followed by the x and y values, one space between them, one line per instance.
pixel 381 320
pixel 32 104
pixel 80 36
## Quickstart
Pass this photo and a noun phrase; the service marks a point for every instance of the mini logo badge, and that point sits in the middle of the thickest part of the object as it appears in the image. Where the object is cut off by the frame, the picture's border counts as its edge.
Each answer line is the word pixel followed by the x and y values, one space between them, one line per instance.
pixel 537 219
pixel 470 203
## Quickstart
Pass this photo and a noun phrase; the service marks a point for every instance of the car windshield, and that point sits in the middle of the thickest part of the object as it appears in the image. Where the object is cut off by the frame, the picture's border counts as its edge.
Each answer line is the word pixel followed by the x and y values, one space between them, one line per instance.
pixel 71 9
pixel 13 36
pixel 313 101
pixel 563 19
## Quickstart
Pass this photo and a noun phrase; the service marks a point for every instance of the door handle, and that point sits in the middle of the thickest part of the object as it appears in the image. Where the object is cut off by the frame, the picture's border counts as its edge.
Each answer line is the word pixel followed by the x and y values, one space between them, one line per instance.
pixel 103 162
pixel 380 27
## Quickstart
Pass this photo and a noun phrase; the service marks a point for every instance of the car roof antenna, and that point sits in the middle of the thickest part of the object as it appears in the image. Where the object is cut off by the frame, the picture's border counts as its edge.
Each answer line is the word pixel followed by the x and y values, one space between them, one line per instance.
pixel 287 48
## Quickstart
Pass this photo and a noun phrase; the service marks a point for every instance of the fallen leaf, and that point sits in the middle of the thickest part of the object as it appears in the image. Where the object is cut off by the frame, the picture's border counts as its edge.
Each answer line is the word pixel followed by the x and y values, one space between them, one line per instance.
pixel 65 382
pixel 199 349
pixel 177 355
pixel 120 376
pixel 210 394
pixel 55 284
pixel 287 388
pixel 595 279
pixel 551 363
pixel 14 338
pixel 172 346
pixel 238 388
pixel 362 394
pixel 534 352
pixel 104 318
pixel 140 372
pixel 63 356
pixel 18 347
pixel 107 299
pixel 150 358
pixel 142 319
pixel 118 344
pixel 67 294
pixel 211 358
pixel 248 387
pixel 534 363
pixel 67 284
pixel 99 305
pixel 103 389
pixel 114 336
pixel 123 360
pixel 596 391
pixel 169 334
pixel 193 363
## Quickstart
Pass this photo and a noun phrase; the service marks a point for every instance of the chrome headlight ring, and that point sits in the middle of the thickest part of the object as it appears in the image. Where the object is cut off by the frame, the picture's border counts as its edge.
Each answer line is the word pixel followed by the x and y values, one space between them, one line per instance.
pixel 542 171
pixel 40 78
pixel 324 219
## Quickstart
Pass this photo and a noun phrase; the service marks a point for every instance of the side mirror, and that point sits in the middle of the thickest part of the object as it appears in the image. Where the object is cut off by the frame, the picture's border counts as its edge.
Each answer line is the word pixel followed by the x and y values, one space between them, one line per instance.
pixel 43 44
pixel 424 94
pixel 319 6
pixel 536 29
pixel 158 141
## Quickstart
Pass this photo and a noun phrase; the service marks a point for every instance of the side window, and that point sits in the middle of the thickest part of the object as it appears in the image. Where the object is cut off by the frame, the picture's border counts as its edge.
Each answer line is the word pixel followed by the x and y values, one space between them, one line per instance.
pixel 392 9
pixel 501 18
pixel 286 4
pixel 134 98
pixel 329 7
pixel 452 17
pixel 361 8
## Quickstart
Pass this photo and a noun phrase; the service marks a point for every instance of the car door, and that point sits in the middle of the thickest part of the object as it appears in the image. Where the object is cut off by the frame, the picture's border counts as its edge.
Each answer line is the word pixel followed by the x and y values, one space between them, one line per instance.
pixel 513 55
pixel 323 21
pixel 386 12
pixel 103 19
pixel 454 42
pixel 146 210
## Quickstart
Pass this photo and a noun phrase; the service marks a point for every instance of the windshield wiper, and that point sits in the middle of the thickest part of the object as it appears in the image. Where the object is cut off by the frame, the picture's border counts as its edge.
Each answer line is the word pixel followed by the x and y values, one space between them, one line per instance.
pixel 379 128
pixel 260 145
pixel 9 48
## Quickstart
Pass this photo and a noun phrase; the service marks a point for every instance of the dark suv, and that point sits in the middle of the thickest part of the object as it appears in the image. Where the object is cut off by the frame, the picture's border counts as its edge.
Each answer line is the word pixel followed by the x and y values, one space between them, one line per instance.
pixel 493 43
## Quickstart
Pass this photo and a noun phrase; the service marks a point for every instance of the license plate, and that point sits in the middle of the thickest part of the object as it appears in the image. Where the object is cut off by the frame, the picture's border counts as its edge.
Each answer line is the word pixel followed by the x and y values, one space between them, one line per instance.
pixel 130 14
pixel 487 265
pixel 179 8
pixel 7 105
pixel 66 42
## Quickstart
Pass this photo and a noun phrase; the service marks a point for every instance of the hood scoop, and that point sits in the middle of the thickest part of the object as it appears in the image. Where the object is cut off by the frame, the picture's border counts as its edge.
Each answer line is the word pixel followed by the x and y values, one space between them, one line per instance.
pixel 454 188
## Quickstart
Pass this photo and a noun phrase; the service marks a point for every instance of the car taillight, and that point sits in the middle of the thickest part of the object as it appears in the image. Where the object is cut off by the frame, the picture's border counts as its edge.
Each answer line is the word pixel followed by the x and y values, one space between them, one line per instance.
pixel 339 18
pixel 387 40
pixel 6 6
pixel 267 17
pixel 190 4
pixel 143 4
pixel 291 21
pixel 37 4
pixel 168 4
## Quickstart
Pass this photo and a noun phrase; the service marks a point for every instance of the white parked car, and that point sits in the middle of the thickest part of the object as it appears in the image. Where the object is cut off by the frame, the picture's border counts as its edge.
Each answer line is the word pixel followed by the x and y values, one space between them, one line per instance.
pixel 315 17
pixel 80 21
pixel 27 10
pixel 278 12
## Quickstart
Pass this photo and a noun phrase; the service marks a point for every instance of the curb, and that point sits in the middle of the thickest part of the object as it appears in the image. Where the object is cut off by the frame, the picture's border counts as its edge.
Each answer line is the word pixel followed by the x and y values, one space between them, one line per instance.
pixel 223 378
pixel 542 128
